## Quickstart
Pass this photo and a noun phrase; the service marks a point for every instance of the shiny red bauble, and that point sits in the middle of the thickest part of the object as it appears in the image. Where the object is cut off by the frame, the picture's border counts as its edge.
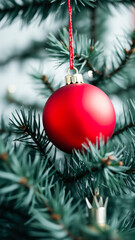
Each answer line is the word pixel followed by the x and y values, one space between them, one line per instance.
pixel 77 112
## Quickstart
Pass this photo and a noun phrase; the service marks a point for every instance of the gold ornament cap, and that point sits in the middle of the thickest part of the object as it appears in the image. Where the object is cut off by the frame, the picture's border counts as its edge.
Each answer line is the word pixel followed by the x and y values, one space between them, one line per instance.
pixel 73 78
pixel 97 210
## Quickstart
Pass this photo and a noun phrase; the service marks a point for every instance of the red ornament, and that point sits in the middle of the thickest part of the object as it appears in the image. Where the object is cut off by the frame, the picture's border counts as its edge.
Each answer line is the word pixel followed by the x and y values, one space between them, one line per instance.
pixel 77 112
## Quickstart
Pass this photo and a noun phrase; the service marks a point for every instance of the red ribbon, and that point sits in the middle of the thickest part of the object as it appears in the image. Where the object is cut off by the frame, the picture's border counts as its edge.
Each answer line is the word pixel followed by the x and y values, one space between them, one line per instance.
pixel 71 51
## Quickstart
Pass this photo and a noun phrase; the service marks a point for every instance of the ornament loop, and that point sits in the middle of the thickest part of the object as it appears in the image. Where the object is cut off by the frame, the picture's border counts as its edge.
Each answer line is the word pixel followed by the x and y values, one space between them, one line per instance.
pixel 73 69
pixel 73 78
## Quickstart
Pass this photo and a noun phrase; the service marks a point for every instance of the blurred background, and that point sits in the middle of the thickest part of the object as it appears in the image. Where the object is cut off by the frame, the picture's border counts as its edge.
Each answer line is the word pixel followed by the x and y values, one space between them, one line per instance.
pixel 23 49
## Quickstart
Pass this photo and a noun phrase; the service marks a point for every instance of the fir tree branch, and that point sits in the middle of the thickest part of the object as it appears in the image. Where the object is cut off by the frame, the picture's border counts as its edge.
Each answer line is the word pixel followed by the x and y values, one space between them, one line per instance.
pixel 84 59
pixel 89 65
pixel 127 120
pixel 2 130
pixel 47 83
pixel 123 129
pixel 104 76
pixel 44 83
pixel 32 51
pixel 31 134
pixel 124 61
pixel 85 51
pixel 12 222
pixel 30 128
pixel 28 11
pixel 92 166
pixel 30 183
pixel 85 173
pixel 104 163
pixel 129 123
pixel 49 203
pixel 88 54
pixel 11 9
pixel 31 10
pixel 125 90
pixel 10 99
pixel 130 171
pixel 93 23
pixel 55 217
pixel 24 126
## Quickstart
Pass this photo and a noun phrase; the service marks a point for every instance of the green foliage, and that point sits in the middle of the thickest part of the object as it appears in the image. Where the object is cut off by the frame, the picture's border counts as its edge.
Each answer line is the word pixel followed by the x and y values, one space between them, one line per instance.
pixel 28 11
pixel 125 125
pixel 109 168
pixel 33 50
pixel 44 84
pixel 86 52
pixel 66 214
pixel 25 172
pixel 42 191
pixel 45 210
pixel 90 168
pixel 89 56
pixel 28 125
pixel 4 129
pixel 13 222
pixel 31 131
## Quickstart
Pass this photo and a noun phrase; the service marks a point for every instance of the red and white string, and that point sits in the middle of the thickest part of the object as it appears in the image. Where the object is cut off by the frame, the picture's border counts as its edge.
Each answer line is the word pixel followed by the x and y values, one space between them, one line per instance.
pixel 71 51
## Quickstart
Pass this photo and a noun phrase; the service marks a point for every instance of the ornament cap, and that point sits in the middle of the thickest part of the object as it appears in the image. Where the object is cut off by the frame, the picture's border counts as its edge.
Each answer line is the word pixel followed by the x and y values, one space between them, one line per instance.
pixel 99 215
pixel 73 78
pixel 97 210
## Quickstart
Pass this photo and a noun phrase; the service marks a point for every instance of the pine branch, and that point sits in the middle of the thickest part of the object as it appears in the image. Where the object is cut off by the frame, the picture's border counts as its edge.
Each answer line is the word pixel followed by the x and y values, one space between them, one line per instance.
pixel 19 169
pixel 36 50
pixel 31 134
pixel 103 168
pixel 124 61
pixel 87 172
pixel 86 52
pixel 44 83
pixel 11 99
pixel 104 162
pixel 29 183
pixel 2 130
pixel 126 121
pixel 88 64
pixel 31 190
pixel 47 83
pixel 83 169
pixel 12 222
pixel 93 23
pixel 123 58
pixel 88 56
pixel 125 128
pixel 32 51
pixel 29 11
pixel 92 164
pixel 29 127
pixel 125 90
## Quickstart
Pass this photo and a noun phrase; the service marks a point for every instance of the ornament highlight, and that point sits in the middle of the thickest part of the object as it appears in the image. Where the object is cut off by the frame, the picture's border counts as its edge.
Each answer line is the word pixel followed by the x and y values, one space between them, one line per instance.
pixel 77 112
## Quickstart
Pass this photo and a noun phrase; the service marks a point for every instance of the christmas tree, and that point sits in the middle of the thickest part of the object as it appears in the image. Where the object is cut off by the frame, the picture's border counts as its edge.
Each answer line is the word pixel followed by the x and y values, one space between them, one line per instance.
pixel 82 193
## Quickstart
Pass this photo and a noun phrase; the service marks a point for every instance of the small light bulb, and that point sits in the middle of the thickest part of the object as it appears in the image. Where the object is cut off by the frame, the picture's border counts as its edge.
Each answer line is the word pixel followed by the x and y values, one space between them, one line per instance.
pixel 90 74
pixel 11 89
